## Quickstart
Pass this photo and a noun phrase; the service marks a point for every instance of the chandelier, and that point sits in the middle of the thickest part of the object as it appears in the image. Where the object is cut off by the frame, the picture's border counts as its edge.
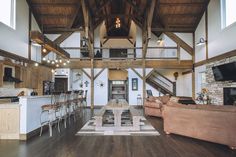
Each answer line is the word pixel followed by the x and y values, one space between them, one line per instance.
pixel 118 24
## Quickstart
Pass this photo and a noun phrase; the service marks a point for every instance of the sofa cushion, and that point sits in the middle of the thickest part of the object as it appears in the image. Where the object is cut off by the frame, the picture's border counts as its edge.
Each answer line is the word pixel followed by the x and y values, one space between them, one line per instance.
pixel 153 104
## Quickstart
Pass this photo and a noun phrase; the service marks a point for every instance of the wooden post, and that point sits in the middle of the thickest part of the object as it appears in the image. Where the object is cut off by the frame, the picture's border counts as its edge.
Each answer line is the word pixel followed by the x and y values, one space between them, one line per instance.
pixel 206 31
pixel 29 30
pixel 144 80
pixel 193 68
pixel 92 84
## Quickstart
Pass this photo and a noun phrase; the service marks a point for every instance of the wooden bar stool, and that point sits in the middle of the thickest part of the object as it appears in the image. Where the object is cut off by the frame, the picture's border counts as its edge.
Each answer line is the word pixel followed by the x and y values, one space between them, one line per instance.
pixel 50 114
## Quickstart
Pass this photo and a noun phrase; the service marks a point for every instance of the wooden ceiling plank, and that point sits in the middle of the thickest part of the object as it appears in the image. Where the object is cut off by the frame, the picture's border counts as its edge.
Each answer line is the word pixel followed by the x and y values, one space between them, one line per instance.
pixel 180 42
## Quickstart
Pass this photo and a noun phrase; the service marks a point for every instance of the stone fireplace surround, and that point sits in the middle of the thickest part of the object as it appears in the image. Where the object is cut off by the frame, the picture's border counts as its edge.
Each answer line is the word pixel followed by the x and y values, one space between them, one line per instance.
pixel 216 88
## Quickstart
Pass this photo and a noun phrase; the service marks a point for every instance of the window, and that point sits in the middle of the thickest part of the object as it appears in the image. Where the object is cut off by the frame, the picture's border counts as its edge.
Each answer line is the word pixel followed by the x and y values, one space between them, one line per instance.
pixel 201 80
pixel 228 12
pixel 7 12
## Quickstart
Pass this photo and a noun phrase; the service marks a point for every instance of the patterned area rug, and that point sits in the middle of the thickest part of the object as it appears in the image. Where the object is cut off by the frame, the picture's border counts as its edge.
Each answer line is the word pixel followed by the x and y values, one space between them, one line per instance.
pixel 146 129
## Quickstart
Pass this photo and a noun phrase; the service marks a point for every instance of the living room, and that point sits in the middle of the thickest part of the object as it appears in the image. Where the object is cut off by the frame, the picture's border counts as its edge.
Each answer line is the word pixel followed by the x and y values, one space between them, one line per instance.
pixel 118 78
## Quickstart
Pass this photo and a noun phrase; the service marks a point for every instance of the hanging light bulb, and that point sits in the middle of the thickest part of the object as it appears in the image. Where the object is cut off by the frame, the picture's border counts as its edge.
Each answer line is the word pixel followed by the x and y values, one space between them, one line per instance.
pixel 56 61
pixel 36 64
pixel 57 65
pixel 44 50
pixel 44 59
pixel 68 61
pixel 48 61
pixel 53 62
pixel 60 60
pixel 64 63
pixel 53 71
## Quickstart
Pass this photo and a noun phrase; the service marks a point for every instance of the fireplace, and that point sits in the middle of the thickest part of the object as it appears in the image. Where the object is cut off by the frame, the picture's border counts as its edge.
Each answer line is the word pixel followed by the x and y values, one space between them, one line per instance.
pixel 230 96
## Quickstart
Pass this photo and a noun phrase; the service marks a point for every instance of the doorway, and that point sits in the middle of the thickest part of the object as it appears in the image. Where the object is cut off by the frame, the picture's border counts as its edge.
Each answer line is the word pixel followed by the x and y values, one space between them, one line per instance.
pixel 61 84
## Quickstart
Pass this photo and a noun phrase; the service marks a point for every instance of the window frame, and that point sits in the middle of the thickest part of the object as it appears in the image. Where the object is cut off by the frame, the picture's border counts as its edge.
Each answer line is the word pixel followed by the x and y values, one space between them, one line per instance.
pixel 12 23
pixel 223 15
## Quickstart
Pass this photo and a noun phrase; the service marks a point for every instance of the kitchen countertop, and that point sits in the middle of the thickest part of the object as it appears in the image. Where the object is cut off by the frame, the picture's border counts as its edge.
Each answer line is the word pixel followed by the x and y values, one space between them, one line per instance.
pixel 35 97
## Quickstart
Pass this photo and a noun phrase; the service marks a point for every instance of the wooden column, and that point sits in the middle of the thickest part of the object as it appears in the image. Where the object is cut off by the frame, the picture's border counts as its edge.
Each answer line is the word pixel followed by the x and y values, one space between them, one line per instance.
pixel 92 84
pixel 193 70
pixel 206 32
pixel 144 80
pixel 29 30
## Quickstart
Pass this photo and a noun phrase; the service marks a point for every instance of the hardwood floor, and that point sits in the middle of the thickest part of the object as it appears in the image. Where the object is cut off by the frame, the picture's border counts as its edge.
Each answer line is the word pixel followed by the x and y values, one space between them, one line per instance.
pixel 66 144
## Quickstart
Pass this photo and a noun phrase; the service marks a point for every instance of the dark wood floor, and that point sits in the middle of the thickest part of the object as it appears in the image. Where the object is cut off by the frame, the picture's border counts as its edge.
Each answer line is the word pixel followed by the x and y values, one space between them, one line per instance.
pixel 66 144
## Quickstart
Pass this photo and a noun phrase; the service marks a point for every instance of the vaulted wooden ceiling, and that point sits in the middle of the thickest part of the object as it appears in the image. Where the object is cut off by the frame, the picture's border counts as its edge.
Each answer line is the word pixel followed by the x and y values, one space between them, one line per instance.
pixel 58 16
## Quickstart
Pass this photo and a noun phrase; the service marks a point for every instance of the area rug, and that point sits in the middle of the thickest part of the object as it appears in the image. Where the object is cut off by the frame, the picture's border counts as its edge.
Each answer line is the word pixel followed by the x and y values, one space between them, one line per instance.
pixel 146 130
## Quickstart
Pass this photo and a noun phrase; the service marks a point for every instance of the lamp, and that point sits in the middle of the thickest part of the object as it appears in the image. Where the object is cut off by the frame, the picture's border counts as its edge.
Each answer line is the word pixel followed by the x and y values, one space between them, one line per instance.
pixel 202 41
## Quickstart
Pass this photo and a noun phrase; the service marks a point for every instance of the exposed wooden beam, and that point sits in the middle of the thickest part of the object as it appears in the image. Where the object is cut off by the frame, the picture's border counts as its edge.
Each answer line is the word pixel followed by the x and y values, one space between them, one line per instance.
pixel 193 69
pixel 92 83
pixel 124 64
pixel 102 6
pixel 10 55
pixel 150 17
pixel 183 30
pixel 54 4
pixel 216 58
pixel 29 30
pixel 48 44
pixel 88 29
pixel 59 40
pixel 187 72
pixel 206 2
pixel 206 32
pixel 86 74
pixel 180 42
pixel 59 30
pixel 75 15
pixel 95 77
pixel 134 6
pixel 34 13
pixel 136 73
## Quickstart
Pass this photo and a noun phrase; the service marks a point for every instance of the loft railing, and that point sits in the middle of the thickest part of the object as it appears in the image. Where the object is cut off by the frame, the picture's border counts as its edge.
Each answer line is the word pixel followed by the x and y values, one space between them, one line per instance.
pixel 132 53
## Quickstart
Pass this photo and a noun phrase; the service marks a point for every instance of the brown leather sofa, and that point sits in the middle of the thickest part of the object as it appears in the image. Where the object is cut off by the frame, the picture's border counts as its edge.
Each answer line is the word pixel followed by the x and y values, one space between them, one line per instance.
pixel 206 122
pixel 153 105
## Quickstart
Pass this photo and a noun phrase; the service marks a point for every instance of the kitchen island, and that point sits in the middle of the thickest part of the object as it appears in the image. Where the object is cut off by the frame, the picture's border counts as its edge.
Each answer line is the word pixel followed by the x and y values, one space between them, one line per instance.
pixel 22 120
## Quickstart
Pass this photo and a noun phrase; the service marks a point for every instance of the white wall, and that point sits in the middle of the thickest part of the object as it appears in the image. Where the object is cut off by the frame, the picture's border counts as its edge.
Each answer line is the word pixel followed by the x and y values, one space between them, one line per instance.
pixel 133 94
pixel 220 40
pixel 16 41
pixel 101 93
pixel 72 41
pixel 198 70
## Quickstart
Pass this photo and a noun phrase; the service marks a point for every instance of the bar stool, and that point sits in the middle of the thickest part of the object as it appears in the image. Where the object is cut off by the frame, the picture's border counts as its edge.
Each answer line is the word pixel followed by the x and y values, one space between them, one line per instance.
pixel 84 99
pixel 63 109
pixel 50 114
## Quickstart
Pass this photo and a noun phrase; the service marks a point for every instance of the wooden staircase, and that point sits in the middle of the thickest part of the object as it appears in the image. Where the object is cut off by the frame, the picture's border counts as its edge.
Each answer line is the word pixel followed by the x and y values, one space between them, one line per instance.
pixel 161 83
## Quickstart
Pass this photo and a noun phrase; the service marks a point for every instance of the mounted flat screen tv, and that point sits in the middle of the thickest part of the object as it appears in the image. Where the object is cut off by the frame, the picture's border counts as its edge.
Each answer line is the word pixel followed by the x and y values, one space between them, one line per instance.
pixel 225 72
